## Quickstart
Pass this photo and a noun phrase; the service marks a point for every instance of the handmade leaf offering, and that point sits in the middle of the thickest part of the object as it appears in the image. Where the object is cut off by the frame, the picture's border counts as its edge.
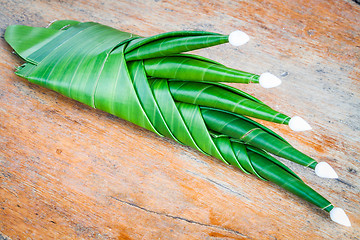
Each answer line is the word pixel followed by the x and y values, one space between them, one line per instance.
pixel 152 83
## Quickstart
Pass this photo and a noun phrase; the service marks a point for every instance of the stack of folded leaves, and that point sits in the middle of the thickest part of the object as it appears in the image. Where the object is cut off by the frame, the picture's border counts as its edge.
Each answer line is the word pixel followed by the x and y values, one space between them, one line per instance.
pixel 152 83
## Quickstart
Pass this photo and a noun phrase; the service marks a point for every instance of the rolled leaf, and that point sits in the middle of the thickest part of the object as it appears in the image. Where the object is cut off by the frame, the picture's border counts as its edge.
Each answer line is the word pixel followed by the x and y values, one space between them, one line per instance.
pixel 128 76
pixel 280 176
pixel 171 43
pixel 243 129
pixel 255 161
pixel 192 69
pixel 215 96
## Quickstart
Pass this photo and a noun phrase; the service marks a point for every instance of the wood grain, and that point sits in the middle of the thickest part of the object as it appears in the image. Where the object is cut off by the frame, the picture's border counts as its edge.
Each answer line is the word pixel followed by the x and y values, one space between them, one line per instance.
pixel 68 171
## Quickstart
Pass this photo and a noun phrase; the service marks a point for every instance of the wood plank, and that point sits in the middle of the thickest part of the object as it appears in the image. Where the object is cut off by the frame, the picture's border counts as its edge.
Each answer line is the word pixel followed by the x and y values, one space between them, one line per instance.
pixel 68 171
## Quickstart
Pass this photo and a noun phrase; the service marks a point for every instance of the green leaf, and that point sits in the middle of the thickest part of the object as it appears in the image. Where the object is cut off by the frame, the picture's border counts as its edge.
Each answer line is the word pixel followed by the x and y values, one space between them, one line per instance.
pixel 90 62
pixel 248 120
pixel 116 94
pixel 237 126
pixel 190 69
pixel 286 180
pixel 35 39
pixel 197 128
pixel 272 159
pixel 159 37
pixel 174 120
pixel 236 91
pixel 219 97
pixel 255 161
pixel 174 43
pixel 147 100
pixel 72 62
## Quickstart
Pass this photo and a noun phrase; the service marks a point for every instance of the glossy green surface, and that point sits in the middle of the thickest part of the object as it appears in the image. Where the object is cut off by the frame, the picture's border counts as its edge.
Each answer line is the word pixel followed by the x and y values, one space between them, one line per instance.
pixel 191 69
pixel 240 128
pixel 210 95
pixel 150 82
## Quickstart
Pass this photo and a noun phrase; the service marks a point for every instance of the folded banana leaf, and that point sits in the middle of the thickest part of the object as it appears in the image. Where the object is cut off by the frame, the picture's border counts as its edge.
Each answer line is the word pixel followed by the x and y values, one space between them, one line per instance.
pixel 152 83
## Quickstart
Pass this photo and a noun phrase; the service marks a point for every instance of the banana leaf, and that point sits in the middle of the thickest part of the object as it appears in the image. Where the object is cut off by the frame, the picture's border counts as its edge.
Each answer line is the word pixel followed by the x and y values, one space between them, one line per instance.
pixel 240 127
pixel 191 69
pixel 255 161
pixel 218 97
pixel 150 82
pixel 171 43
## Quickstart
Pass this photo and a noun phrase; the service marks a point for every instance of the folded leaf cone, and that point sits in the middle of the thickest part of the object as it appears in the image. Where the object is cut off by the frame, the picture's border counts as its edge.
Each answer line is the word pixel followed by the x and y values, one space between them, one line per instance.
pixel 150 82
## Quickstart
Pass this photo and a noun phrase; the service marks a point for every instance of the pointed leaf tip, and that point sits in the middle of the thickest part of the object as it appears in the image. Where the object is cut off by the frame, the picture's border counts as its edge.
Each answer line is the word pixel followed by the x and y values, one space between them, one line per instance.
pixel 238 38
pixel 298 124
pixel 324 170
pixel 339 216
pixel 268 80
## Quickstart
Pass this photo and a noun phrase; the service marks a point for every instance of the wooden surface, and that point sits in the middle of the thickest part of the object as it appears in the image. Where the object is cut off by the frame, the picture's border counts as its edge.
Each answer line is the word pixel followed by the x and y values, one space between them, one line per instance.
pixel 71 172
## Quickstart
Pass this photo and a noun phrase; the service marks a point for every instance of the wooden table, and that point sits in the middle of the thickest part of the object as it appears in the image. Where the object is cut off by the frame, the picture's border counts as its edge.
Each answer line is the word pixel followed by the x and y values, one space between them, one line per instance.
pixel 68 171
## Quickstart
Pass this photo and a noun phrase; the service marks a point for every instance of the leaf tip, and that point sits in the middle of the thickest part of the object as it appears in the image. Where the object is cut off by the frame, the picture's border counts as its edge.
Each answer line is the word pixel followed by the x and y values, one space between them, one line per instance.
pixel 238 38
pixel 339 216
pixel 298 124
pixel 324 170
pixel 268 80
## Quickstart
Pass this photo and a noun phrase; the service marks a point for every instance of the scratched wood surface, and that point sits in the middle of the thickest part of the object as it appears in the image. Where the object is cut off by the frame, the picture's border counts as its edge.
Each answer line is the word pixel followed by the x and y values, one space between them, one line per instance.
pixel 68 171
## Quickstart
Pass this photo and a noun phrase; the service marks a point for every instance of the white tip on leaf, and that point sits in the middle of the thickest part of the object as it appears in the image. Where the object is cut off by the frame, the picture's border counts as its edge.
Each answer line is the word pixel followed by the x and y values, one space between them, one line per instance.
pixel 324 170
pixel 238 38
pixel 339 216
pixel 298 124
pixel 268 80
